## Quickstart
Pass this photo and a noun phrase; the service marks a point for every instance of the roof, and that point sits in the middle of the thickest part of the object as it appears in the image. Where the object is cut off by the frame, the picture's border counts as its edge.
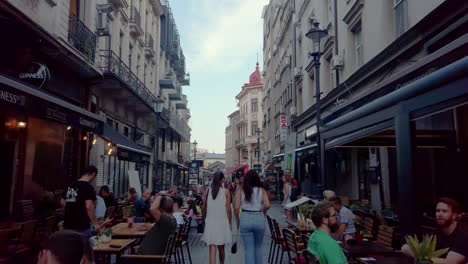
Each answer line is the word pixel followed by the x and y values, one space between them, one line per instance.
pixel 234 114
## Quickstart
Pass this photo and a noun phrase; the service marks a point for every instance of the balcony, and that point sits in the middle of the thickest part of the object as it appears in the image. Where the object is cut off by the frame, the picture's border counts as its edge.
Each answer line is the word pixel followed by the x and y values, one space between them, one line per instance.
pixel 135 23
pixel 119 3
pixel 175 97
pixel 82 38
pixel 149 46
pixel 181 106
pixel 180 127
pixel 166 84
pixel 110 63
pixel 186 80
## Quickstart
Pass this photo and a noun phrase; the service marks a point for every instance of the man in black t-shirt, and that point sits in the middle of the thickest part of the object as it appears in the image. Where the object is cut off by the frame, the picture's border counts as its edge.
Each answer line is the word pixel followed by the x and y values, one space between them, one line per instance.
pixel 165 225
pixel 80 203
pixel 450 233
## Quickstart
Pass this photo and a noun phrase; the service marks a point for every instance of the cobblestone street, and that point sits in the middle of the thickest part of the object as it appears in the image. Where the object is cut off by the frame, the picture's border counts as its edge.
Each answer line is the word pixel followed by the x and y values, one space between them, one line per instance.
pixel 200 252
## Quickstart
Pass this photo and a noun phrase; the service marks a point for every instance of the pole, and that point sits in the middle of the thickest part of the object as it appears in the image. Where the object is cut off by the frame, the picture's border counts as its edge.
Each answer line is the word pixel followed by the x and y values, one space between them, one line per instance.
pixel 258 152
pixel 318 119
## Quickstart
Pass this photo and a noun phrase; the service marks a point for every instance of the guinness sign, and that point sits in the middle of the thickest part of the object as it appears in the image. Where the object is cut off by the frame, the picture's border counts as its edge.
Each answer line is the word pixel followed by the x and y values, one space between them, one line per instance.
pixel 38 75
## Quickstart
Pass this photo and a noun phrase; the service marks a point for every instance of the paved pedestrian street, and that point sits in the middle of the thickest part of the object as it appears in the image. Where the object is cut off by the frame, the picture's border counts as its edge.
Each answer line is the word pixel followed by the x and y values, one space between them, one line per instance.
pixel 200 252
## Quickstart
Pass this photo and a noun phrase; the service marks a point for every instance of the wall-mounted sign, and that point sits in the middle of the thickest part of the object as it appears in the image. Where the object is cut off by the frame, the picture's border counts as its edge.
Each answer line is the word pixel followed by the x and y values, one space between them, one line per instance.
pixel 12 98
pixel 311 131
pixel 38 75
pixel 283 129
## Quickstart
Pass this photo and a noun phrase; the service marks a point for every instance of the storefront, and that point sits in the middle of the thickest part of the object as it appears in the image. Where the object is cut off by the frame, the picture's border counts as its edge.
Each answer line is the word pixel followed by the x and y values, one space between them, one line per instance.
pixel 402 151
pixel 124 162
pixel 44 142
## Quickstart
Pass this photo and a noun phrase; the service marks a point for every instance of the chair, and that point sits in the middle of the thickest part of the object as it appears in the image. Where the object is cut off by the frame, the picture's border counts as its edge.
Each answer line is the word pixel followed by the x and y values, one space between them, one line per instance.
pixel 150 259
pixel 273 239
pixel 51 226
pixel 310 258
pixel 126 211
pixel 184 235
pixel 368 227
pixel 386 236
pixel 110 211
pixel 280 241
pixel 292 244
pixel 305 238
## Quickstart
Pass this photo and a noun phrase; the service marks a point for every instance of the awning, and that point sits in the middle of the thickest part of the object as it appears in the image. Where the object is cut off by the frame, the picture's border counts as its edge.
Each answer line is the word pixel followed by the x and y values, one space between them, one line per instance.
pixel 269 168
pixel 238 167
pixel 306 147
pixel 126 149
pixel 35 102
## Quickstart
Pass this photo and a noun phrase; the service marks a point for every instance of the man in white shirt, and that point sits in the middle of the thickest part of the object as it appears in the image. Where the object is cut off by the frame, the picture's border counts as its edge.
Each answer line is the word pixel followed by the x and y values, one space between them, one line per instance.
pixel 100 207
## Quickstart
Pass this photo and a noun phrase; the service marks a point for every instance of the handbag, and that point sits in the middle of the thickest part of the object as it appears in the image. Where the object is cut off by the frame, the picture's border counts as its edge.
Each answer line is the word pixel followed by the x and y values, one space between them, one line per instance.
pixel 201 227
pixel 234 245
pixel 201 223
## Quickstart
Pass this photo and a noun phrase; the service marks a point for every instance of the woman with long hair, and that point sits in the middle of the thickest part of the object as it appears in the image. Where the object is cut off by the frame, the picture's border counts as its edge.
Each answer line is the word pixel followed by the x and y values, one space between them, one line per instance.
pixel 287 189
pixel 253 200
pixel 217 211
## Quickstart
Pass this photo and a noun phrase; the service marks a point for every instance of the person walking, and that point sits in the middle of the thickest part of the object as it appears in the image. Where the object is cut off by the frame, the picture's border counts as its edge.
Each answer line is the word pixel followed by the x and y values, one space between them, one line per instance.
pixel 287 189
pixel 252 198
pixel 217 206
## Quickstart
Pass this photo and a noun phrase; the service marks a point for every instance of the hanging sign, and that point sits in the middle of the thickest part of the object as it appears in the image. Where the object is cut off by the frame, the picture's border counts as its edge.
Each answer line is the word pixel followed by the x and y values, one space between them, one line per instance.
pixel 283 127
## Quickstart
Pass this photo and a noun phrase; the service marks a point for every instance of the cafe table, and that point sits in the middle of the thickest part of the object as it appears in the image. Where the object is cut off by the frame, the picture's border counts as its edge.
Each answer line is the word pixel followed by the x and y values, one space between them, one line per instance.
pixel 368 248
pixel 138 230
pixel 104 250
pixel 393 259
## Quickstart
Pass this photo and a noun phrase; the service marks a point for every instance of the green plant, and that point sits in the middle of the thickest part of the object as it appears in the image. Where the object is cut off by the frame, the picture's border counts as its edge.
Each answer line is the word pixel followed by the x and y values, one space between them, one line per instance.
pixel 425 250
pixel 305 210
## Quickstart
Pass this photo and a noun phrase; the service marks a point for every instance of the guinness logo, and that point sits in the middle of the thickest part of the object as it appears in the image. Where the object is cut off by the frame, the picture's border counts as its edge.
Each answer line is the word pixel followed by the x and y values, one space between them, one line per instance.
pixel 38 76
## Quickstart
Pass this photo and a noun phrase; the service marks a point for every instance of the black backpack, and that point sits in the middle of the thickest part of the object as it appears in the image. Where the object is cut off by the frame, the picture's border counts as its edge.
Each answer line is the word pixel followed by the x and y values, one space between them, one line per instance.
pixel 293 194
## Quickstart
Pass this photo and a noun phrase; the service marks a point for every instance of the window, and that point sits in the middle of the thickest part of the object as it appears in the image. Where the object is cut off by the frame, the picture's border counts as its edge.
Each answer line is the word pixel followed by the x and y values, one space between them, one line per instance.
pixel 401 16
pixel 254 105
pixel 126 131
pixel 110 122
pixel 116 126
pixel 358 46
pixel 254 127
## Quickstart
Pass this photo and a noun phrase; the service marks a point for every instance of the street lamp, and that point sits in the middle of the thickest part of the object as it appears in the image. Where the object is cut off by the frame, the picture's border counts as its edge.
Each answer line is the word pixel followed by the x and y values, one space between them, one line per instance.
pixel 159 104
pixel 318 37
pixel 258 132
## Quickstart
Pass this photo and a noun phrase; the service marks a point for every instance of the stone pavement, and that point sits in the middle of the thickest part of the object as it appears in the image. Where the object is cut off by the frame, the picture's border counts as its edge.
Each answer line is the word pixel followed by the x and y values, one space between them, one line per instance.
pixel 200 252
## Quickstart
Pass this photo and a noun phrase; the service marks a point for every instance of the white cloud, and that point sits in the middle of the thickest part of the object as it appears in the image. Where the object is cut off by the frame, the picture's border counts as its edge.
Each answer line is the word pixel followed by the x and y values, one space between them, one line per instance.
pixel 224 34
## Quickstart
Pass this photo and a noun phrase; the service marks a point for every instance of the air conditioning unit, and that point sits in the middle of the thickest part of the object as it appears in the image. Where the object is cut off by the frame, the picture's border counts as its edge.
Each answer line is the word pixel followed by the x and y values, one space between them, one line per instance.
pixel 337 62
pixel 102 25
pixel 296 72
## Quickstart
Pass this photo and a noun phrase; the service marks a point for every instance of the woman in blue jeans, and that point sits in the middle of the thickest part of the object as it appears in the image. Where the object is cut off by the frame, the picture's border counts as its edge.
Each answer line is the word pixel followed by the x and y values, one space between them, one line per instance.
pixel 253 200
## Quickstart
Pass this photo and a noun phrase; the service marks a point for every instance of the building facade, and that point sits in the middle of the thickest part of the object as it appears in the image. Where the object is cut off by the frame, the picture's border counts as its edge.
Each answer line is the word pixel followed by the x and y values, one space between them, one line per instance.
pixel 389 107
pixel 91 82
pixel 232 135
pixel 245 123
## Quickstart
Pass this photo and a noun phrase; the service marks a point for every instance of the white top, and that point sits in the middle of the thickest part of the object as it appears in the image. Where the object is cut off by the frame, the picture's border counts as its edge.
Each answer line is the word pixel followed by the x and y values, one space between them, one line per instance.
pixel 179 216
pixel 217 230
pixel 100 207
pixel 256 201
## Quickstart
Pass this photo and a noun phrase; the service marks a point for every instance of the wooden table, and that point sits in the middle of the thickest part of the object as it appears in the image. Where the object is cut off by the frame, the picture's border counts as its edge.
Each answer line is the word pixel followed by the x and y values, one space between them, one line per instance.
pixel 368 248
pixel 138 230
pixel 394 259
pixel 103 251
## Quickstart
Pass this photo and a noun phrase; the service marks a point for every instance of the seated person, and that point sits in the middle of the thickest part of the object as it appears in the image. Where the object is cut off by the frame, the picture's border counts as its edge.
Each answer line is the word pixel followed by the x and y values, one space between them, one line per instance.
pixel 165 225
pixel 66 247
pixel 142 204
pixel 450 233
pixel 321 244
pixel 177 213
pixel 132 195
pixel 345 217
pixel 109 199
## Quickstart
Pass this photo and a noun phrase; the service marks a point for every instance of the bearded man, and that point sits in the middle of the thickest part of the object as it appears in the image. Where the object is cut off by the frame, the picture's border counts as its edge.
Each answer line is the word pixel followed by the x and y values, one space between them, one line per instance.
pixel 450 233
pixel 321 244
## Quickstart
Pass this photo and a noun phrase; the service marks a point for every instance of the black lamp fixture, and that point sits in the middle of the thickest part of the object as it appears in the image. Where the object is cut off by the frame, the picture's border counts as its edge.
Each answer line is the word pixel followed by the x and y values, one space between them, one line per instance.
pixel 318 37
pixel 159 102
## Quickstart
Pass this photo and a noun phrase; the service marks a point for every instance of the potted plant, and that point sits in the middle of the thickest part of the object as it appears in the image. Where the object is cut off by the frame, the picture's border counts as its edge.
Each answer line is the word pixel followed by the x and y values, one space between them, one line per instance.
pixel 425 250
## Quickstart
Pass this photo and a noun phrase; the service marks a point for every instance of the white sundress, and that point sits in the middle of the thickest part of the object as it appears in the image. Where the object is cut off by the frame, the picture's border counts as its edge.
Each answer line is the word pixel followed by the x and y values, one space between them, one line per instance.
pixel 217 230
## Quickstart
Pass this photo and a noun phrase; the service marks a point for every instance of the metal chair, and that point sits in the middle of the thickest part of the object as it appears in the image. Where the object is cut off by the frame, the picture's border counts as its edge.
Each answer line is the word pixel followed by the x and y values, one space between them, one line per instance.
pixel 310 258
pixel 151 259
pixel 292 244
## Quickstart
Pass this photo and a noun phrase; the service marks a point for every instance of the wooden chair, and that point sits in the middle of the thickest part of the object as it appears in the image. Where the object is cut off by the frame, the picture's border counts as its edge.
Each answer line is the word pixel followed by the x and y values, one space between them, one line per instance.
pixel 292 244
pixel 386 236
pixel 273 240
pixel 368 227
pixel 280 241
pixel 184 236
pixel 110 211
pixel 310 258
pixel 305 238
pixel 126 211
pixel 151 259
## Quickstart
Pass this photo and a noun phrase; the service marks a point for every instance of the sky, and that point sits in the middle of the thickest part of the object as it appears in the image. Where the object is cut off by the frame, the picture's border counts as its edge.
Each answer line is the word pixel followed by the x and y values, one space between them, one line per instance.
pixel 221 40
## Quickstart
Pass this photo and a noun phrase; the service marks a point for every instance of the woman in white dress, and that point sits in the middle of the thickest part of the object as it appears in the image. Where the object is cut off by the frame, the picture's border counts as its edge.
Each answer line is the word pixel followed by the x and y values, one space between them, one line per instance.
pixel 218 217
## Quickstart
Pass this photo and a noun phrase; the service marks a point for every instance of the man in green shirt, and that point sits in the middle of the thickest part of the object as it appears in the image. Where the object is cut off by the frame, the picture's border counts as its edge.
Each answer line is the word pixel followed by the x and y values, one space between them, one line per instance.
pixel 321 244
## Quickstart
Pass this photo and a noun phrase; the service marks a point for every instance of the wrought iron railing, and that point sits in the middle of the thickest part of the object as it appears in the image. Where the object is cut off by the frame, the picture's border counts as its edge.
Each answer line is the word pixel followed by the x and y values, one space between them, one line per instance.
pixel 82 38
pixel 135 16
pixel 111 63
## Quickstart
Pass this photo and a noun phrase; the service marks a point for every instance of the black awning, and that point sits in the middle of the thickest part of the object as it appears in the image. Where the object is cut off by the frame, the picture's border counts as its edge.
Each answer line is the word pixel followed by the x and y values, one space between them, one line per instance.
pixel 126 149
pixel 35 102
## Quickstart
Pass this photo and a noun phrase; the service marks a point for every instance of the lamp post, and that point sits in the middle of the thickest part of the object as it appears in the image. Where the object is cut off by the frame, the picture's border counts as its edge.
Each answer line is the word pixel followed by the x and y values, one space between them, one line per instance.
pixel 195 160
pixel 258 132
pixel 318 37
